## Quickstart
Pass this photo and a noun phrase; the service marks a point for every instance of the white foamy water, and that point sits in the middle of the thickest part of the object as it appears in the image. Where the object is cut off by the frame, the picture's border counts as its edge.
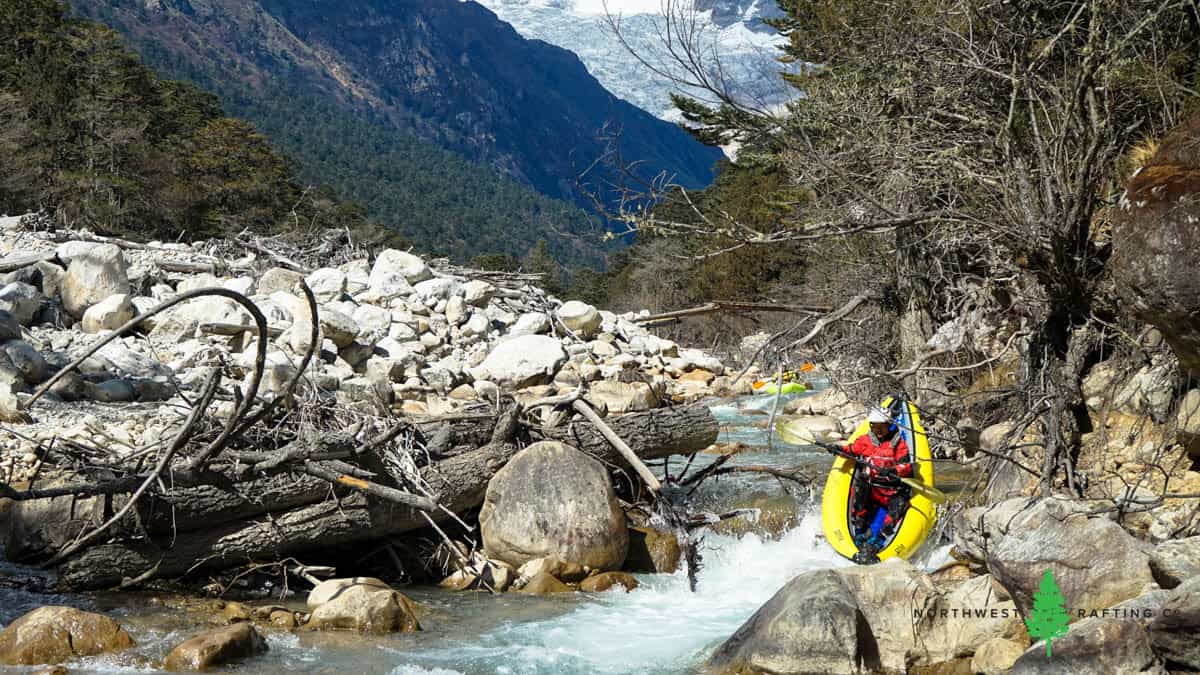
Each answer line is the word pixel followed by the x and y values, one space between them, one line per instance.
pixel 662 627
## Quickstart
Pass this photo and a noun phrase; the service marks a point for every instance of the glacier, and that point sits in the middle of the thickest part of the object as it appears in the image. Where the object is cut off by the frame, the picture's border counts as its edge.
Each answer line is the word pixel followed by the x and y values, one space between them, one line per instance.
pixel 738 47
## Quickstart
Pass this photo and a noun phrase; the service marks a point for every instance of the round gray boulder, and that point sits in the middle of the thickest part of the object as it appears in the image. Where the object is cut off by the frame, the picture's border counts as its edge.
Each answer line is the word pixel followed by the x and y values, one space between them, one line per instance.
pixel 551 499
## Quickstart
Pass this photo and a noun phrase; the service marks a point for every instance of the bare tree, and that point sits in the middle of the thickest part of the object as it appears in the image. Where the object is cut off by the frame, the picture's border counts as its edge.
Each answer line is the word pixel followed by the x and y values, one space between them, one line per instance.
pixel 970 150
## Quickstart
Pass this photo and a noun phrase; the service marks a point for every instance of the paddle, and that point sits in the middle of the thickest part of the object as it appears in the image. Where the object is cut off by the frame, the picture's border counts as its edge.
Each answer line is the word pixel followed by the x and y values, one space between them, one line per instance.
pixel 807 438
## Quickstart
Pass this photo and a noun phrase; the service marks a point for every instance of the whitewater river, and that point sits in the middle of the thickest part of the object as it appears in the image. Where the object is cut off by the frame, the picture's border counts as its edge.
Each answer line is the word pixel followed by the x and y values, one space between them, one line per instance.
pixel 662 627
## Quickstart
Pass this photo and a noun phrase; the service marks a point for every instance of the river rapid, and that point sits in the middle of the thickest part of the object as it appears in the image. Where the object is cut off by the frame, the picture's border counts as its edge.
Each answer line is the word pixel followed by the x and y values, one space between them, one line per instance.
pixel 662 627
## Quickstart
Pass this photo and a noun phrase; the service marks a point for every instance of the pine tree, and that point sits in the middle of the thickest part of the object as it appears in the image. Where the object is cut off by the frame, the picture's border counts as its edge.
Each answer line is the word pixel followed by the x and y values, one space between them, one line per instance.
pixel 1049 617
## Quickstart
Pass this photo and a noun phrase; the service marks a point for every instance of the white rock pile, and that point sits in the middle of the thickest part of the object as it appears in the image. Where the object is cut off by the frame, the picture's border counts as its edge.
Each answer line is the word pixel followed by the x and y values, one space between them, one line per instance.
pixel 394 331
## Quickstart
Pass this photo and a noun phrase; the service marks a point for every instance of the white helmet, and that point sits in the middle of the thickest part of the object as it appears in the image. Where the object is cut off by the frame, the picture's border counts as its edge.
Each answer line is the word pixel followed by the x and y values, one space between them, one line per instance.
pixel 879 415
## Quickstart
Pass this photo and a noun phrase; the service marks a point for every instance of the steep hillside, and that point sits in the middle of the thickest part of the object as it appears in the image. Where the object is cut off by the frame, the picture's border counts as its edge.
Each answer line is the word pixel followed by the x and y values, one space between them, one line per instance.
pixel 95 138
pixel 332 82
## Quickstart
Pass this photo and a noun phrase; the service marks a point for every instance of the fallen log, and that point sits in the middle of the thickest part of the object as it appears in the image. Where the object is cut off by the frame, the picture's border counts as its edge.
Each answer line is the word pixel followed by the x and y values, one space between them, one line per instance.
pixel 209 527
pixel 725 306
pixel 13 263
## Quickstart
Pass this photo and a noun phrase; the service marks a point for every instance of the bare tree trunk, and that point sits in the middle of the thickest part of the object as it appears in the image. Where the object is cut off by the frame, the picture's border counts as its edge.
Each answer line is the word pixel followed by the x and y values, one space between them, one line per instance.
pixel 210 527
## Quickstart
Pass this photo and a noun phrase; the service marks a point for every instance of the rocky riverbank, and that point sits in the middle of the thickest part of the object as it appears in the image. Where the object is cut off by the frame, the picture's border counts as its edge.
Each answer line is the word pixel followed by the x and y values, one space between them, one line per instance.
pixel 394 334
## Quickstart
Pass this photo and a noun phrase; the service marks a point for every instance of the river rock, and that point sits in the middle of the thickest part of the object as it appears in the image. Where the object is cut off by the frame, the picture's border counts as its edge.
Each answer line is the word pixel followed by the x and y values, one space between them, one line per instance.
pixel 571 572
pixel 533 323
pixel 996 656
pixel 1046 536
pixel 27 361
pixel 94 276
pixel 432 290
pixel 234 612
pixel 544 583
pixel 652 550
pixel 456 310
pixel 21 300
pixel 650 345
pixel 478 293
pixel 411 267
pixel 476 326
pixel 822 427
pixel 53 634
pixel 887 595
pixel 109 314
pixel 337 327
pixel 812 625
pixel 551 499
pixel 10 328
pixel 579 317
pixel 278 279
pixel 1174 562
pixel 522 362
pixel 957 636
pixel 1099 645
pixel 606 581
pixel 331 588
pixel 621 397
pixel 216 647
pixel 327 284
pixel 360 604
pixel 1175 627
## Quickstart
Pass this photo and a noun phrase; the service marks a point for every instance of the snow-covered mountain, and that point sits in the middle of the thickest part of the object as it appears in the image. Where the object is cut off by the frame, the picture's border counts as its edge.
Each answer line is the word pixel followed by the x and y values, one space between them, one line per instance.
pixel 730 35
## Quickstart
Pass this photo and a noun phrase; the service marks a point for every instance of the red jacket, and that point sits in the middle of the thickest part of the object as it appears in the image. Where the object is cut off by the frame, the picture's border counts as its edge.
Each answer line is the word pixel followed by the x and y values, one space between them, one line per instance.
pixel 892 453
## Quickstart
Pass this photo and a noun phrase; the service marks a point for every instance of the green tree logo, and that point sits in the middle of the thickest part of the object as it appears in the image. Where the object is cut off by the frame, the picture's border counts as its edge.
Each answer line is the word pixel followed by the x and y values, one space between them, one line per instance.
pixel 1049 617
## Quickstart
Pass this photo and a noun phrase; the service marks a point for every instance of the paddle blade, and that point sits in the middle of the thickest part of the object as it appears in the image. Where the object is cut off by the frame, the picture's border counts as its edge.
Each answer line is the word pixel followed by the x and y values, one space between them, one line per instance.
pixel 933 494
pixel 796 434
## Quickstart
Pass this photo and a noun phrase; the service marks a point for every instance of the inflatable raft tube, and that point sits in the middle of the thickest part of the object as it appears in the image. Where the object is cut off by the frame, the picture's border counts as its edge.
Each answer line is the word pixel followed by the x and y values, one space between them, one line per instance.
pixel 922 511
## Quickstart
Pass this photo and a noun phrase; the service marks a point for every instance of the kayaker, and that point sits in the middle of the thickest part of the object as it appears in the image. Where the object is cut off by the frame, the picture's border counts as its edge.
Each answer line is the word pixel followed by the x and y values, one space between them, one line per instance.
pixel 884 459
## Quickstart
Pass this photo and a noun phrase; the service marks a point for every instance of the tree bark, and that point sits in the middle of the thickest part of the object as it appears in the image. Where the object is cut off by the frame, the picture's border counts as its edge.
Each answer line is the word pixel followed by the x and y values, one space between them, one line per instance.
pixel 211 527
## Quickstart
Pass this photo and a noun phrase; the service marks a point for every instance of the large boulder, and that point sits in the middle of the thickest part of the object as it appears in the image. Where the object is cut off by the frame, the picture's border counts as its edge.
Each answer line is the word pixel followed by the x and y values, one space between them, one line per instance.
pixel 109 314
pixel 821 427
pixel 1094 645
pixel 522 361
pixel 812 625
pixel 10 328
pixel 93 276
pixel 652 550
pixel 391 262
pixel 1020 539
pixel 360 604
pixel 1174 562
pixel 21 300
pixel 996 656
pixel 622 397
pixel 53 634
pixel 955 636
pixel 216 647
pixel 327 284
pixel 890 595
pixel 1175 628
pixel 27 361
pixel 551 499
pixel 1156 244
pixel 580 317
pixel 870 618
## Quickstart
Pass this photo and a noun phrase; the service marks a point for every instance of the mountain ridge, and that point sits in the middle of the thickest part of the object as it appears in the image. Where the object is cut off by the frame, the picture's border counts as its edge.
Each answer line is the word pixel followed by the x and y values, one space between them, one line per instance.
pixel 448 72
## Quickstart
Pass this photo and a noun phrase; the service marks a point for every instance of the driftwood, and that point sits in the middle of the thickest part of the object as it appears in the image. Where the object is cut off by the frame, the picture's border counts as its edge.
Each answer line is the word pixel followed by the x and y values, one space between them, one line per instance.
pixel 232 520
pixel 16 262
pixel 713 307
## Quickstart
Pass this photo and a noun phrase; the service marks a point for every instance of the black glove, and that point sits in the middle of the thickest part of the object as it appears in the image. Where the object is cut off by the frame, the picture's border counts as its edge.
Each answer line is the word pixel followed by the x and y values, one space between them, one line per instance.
pixel 887 473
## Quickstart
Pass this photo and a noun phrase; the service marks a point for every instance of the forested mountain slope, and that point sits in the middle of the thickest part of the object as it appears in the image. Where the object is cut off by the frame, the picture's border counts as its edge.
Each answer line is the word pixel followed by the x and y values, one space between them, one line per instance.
pixel 345 87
